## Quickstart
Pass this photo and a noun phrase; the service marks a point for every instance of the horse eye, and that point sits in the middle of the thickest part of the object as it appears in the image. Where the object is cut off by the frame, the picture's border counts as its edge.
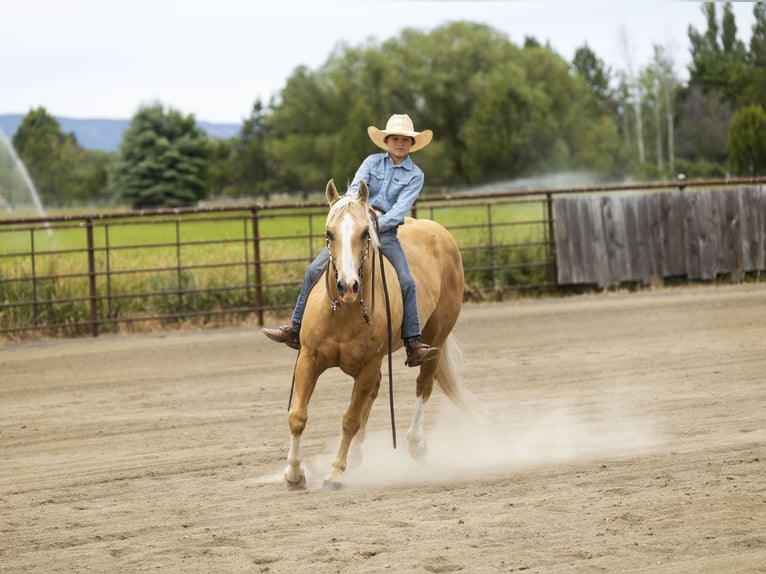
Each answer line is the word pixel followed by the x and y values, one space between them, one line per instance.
pixel 365 234
pixel 328 235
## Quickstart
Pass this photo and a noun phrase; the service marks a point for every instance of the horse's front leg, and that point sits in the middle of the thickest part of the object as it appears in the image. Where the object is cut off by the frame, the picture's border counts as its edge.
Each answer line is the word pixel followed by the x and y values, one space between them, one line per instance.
pixel 366 387
pixel 305 381
pixel 355 452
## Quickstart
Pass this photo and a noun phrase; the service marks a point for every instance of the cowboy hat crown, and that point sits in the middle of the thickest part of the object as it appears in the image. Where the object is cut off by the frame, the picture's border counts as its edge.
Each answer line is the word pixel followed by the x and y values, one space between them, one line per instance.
pixel 400 125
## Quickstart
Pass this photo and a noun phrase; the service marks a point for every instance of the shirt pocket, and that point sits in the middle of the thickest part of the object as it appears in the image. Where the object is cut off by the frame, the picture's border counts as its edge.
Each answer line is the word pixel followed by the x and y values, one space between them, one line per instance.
pixel 402 181
pixel 377 175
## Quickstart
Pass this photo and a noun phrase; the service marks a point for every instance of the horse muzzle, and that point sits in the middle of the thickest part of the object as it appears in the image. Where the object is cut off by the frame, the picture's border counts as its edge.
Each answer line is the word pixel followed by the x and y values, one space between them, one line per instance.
pixel 348 290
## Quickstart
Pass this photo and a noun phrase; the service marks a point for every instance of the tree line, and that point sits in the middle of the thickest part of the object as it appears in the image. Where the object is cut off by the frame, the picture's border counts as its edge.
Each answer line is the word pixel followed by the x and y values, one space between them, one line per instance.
pixel 499 111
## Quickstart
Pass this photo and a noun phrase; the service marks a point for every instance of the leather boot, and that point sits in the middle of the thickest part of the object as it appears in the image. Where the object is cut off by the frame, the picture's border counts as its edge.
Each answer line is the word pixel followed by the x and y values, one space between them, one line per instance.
pixel 287 334
pixel 418 352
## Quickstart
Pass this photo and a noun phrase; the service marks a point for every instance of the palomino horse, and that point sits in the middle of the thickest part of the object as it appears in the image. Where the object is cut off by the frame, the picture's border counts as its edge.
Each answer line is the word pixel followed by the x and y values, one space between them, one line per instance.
pixel 338 330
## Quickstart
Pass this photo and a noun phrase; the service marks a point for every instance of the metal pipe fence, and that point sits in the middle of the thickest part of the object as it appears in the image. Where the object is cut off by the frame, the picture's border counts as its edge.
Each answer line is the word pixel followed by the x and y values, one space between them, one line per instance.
pixel 74 275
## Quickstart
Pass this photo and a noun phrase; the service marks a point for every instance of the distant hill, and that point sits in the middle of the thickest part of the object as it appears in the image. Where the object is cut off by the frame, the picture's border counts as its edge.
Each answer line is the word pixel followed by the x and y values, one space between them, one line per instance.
pixel 106 135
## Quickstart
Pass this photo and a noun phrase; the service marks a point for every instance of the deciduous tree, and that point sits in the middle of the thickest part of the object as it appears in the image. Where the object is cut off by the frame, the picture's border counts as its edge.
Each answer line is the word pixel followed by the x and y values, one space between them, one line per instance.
pixel 746 143
pixel 41 145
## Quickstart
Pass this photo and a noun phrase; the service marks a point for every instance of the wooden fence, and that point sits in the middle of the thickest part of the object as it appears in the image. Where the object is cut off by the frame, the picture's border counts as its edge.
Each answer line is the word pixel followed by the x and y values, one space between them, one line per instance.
pixel 699 235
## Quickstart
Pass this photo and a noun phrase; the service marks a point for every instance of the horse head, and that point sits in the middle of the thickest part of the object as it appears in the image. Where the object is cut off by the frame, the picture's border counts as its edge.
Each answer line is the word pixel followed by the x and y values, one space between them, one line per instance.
pixel 349 231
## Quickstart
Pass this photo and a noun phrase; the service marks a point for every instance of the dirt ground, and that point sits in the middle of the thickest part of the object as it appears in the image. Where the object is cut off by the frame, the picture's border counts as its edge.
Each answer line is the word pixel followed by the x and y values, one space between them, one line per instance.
pixel 624 433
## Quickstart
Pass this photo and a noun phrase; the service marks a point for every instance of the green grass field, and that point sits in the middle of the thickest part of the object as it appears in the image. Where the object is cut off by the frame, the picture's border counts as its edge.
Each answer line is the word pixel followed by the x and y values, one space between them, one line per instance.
pixel 184 266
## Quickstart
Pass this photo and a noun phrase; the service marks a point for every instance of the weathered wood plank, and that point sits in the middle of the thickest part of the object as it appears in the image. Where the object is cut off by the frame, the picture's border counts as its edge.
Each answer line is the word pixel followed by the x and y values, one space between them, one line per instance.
pixel 565 256
pixel 750 255
pixel 650 242
pixel 731 240
pixel 673 225
pixel 649 237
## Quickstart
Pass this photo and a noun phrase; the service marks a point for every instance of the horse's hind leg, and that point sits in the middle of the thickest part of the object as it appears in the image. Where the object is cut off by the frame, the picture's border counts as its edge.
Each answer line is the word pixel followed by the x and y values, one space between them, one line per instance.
pixel 366 386
pixel 415 435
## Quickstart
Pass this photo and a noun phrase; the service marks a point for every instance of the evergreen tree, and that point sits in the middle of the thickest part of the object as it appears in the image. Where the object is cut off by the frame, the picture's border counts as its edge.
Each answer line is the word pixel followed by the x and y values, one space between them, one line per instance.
pixel 162 161
pixel 718 57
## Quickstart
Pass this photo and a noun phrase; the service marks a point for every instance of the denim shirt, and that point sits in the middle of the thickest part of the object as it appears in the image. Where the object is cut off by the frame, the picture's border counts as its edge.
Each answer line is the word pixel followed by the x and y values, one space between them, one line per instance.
pixel 393 188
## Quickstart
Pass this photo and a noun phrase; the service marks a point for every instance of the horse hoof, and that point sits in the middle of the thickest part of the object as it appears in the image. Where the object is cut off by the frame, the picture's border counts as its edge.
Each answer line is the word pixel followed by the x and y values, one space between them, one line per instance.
pixel 300 485
pixel 331 485
pixel 418 450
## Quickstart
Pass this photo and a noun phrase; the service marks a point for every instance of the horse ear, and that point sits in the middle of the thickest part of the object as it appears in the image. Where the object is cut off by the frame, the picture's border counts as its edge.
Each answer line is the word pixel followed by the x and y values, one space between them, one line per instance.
pixel 364 192
pixel 331 192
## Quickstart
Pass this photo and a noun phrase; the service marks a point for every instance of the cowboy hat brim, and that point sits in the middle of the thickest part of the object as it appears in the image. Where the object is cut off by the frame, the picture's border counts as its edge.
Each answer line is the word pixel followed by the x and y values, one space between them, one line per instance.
pixel 378 137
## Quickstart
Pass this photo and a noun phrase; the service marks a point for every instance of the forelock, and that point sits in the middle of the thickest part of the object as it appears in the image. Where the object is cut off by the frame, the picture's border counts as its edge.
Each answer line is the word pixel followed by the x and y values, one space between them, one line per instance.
pixel 340 205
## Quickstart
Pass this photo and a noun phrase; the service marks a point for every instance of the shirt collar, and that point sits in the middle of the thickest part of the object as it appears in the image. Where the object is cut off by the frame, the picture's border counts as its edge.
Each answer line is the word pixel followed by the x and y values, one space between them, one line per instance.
pixel 406 164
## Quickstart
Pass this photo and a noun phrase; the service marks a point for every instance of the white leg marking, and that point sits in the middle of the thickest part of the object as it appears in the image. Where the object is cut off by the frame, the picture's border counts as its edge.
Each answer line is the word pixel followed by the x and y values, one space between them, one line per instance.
pixel 294 472
pixel 415 432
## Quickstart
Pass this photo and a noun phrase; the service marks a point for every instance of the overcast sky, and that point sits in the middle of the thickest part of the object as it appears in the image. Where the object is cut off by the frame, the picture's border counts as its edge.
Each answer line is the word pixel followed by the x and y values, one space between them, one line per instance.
pixel 213 58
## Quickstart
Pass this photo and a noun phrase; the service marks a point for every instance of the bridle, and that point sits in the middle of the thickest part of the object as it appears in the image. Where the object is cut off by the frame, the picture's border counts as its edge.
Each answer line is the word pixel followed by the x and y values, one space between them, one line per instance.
pixel 334 303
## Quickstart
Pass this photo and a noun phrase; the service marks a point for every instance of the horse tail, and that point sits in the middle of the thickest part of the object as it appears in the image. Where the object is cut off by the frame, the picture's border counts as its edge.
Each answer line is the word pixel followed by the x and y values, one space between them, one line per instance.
pixel 450 378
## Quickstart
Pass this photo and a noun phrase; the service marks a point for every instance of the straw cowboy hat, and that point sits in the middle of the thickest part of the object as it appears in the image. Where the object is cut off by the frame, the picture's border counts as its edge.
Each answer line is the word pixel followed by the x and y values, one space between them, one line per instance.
pixel 400 125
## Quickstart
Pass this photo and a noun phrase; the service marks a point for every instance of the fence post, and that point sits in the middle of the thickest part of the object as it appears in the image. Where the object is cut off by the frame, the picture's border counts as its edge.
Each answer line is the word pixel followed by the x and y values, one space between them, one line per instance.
pixel 257 266
pixel 108 273
pixel 491 247
pixel 179 274
pixel 92 277
pixel 551 243
pixel 35 307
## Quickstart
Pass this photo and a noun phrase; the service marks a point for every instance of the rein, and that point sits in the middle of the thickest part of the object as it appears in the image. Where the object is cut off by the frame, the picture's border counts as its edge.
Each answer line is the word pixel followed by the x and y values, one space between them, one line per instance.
pixel 390 343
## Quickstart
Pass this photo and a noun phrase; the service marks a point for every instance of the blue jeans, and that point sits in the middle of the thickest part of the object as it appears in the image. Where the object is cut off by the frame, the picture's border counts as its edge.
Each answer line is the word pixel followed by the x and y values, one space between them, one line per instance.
pixel 392 250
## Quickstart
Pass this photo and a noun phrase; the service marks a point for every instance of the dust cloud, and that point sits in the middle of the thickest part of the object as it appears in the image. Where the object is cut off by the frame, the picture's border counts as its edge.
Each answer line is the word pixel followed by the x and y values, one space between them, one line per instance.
pixel 460 448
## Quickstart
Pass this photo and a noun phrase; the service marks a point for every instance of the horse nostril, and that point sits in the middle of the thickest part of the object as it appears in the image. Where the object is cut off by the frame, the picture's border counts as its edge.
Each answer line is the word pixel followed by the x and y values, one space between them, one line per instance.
pixel 341 288
pixel 355 288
